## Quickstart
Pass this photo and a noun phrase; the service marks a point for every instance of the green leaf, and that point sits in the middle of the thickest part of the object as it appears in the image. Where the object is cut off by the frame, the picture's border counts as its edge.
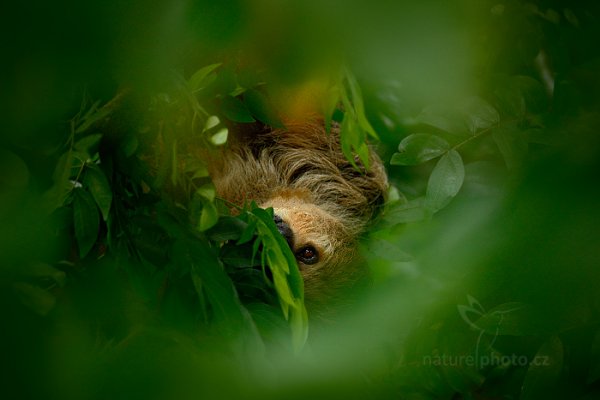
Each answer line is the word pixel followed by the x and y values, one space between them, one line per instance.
pixel 56 195
pixel 198 80
pixel 512 143
pixel 359 107
pixel 46 271
pixel 220 138
pixel 385 250
pixel 541 380
pixel 207 191
pixel 211 122
pixel 419 148
pixel 209 215
pixel 330 104
pixel 444 118
pixel 445 181
pixel 350 139
pixel 261 108
pixel 98 185
pixel 209 277
pixel 129 145
pixel 86 220
pixel 227 228
pixel 286 275
pixel 411 211
pixel 479 114
pixel 88 144
pixel 35 298
pixel 93 115
pixel 234 109
pixel 248 233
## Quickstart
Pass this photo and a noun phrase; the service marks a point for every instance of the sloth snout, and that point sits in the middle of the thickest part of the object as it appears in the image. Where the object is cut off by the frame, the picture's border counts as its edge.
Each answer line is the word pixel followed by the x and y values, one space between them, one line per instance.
pixel 285 230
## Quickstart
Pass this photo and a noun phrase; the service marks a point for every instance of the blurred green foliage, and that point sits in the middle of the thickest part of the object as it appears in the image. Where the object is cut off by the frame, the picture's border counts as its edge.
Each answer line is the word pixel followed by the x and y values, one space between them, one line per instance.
pixel 122 276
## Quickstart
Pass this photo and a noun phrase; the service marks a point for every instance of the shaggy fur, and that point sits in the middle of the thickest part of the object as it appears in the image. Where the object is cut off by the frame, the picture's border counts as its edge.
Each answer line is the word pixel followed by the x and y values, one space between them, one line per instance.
pixel 301 172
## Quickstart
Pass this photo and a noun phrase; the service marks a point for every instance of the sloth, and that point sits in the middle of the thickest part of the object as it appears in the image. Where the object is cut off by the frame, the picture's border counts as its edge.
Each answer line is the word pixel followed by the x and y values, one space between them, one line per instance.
pixel 322 203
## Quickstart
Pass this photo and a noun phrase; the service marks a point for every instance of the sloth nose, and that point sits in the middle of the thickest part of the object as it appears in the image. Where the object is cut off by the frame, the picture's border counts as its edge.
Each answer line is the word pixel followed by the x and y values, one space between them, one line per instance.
pixel 285 230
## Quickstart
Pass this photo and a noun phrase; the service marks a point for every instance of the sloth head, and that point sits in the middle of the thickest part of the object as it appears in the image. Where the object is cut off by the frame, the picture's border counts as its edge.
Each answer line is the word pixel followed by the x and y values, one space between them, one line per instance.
pixel 322 202
pixel 325 249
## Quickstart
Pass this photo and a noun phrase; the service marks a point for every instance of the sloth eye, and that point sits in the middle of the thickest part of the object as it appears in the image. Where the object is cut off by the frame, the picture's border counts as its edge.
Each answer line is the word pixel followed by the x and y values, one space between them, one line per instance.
pixel 307 255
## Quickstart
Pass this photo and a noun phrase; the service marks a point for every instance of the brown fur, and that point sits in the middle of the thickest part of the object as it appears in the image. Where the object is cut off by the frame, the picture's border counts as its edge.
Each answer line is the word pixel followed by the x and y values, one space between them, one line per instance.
pixel 301 172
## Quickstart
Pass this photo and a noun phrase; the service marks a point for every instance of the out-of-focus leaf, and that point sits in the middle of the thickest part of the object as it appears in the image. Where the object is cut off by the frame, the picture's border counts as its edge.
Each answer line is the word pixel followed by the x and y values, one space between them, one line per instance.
pixel 329 105
pixel 479 114
pixel 211 122
pixel 129 145
pixel 209 215
pixel 541 379
pixel 220 138
pixel 411 211
pixel 98 185
pixel 512 143
pixel 35 298
pixel 234 109
pixel 45 271
pixel 520 95
pixel 88 144
pixel 387 250
pixel 445 181
pixel 207 191
pixel 14 177
pixel 55 196
pixel 93 115
pixel 515 319
pixel 444 118
pixel 418 148
pixel 261 108
pixel 86 220
pixel 594 372
pixel 359 107
pixel 198 80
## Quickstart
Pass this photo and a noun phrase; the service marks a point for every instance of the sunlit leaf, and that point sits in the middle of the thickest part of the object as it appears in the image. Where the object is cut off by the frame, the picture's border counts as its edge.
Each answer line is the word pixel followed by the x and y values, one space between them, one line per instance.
pixel 211 122
pixel 220 138
pixel 418 148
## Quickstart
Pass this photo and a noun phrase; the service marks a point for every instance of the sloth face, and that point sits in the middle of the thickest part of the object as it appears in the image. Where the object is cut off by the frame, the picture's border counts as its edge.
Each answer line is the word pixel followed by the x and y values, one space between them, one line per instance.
pixel 323 247
pixel 314 236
